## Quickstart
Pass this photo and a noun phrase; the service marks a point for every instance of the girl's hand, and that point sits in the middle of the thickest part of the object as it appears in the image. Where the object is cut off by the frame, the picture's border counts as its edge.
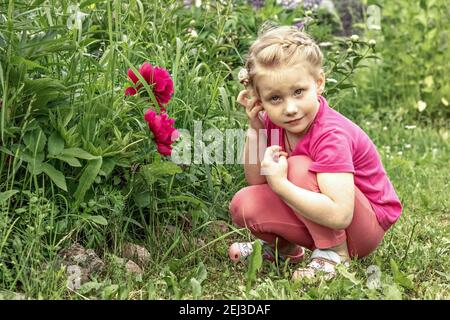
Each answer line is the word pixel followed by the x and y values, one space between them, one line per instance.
pixel 252 106
pixel 274 166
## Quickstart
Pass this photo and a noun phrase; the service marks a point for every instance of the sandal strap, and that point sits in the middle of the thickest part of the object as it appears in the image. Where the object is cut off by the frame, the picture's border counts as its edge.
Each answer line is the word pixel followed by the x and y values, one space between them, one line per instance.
pixel 322 265
pixel 326 254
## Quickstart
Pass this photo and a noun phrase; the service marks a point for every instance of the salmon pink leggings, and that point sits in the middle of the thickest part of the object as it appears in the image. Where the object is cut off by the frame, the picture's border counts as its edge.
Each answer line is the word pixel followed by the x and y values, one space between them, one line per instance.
pixel 268 217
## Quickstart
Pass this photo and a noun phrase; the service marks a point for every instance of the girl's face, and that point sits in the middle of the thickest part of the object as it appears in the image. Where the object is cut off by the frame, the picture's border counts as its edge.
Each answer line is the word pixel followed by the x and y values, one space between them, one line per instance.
pixel 289 96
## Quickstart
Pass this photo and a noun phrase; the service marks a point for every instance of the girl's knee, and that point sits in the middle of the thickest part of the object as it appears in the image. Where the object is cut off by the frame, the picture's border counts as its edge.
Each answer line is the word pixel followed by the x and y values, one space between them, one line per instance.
pixel 243 206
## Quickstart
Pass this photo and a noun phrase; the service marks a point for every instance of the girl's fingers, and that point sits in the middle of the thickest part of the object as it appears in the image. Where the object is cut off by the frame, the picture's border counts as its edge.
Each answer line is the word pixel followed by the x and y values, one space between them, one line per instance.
pixel 254 111
pixel 277 155
pixel 241 99
pixel 244 100
pixel 270 152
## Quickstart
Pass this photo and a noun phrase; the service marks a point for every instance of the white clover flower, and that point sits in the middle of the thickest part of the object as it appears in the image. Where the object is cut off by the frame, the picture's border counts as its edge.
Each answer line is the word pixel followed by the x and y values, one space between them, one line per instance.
pixel 385 128
pixel 408 146
pixel 421 105
pixel 399 153
pixel 76 18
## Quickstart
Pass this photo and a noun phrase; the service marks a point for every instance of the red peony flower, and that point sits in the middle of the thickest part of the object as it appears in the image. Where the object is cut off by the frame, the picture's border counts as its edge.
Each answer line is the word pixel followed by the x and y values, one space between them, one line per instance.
pixel 163 130
pixel 158 78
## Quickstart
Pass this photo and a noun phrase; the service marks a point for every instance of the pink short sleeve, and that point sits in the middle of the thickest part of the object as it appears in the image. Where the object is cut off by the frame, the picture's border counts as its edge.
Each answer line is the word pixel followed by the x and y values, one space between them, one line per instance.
pixel 332 152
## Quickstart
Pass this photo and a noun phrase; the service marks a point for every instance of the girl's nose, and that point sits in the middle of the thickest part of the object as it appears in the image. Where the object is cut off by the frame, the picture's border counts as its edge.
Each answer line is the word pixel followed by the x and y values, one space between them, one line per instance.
pixel 291 108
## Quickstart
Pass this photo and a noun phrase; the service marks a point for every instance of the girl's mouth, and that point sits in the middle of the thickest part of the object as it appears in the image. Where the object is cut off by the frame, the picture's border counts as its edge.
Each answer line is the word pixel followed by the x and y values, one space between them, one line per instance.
pixel 295 121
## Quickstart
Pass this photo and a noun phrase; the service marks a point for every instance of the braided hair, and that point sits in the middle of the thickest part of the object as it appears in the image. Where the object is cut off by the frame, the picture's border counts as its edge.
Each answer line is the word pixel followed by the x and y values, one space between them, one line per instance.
pixel 283 45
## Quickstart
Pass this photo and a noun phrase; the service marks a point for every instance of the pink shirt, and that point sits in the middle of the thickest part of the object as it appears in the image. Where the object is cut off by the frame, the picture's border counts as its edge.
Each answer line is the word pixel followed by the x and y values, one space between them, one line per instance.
pixel 336 144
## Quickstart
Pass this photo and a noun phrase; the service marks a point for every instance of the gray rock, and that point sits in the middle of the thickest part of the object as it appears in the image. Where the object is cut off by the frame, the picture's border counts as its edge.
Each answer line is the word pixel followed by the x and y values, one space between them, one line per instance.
pixel 80 264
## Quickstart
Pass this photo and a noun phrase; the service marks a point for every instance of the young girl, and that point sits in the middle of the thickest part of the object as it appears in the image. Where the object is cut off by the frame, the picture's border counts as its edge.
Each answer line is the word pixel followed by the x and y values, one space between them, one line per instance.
pixel 320 184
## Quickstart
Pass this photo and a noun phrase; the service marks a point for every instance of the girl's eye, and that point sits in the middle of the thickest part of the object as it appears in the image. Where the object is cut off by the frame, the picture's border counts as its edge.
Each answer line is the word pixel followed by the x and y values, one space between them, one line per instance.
pixel 298 92
pixel 275 99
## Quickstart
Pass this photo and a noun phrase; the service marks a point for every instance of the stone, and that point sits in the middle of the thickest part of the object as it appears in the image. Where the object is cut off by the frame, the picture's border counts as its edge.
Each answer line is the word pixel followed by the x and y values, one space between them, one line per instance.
pixel 137 253
pixel 132 267
pixel 80 264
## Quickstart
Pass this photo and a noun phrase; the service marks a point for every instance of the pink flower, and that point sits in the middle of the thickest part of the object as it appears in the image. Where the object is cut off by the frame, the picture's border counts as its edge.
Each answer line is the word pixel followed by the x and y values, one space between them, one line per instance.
pixel 163 130
pixel 158 78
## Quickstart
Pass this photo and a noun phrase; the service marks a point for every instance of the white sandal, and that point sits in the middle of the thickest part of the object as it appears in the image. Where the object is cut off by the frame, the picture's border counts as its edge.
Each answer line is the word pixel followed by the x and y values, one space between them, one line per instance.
pixel 322 261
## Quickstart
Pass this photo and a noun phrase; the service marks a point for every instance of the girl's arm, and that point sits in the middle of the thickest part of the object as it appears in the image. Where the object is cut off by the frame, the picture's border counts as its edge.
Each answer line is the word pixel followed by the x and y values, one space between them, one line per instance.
pixel 333 207
pixel 252 155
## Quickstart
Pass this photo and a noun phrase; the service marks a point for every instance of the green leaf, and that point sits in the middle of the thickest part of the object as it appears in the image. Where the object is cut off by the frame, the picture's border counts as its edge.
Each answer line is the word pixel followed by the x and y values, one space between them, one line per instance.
pixel 35 167
pixel 225 100
pixel 107 166
pixel 44 90
pixel 78 153
pixel 182 198
pixel 4 150
pixel 392 292
pixel 196 288
pixel 98 220
pixel 399 277
pixel 142 199
pixel 74 162
pixel 35 140
pixel 89 286
pixel 201 273
pixel 56 175
pixel 346 274
pixel 87 178
pixel 6 195
pixel 152 171
pixel 109 291
pixel 30 65
pixel 55 144
pixel 255 264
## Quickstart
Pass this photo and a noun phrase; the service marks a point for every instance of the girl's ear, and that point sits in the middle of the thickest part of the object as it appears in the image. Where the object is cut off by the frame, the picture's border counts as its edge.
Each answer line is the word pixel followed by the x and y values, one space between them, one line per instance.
pixel 320 82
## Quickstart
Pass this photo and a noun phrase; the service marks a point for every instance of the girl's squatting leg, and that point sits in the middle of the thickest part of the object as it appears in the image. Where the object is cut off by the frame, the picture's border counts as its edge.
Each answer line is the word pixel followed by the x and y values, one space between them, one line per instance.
pixel 262 211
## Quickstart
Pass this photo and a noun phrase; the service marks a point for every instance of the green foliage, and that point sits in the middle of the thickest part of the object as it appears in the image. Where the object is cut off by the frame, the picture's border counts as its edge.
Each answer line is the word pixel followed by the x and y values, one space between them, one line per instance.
pixel 409 82
pixel 254 264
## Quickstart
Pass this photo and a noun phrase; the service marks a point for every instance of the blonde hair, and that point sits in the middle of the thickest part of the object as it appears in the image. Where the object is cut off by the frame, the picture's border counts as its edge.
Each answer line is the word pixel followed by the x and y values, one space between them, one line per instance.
pixel 281 45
